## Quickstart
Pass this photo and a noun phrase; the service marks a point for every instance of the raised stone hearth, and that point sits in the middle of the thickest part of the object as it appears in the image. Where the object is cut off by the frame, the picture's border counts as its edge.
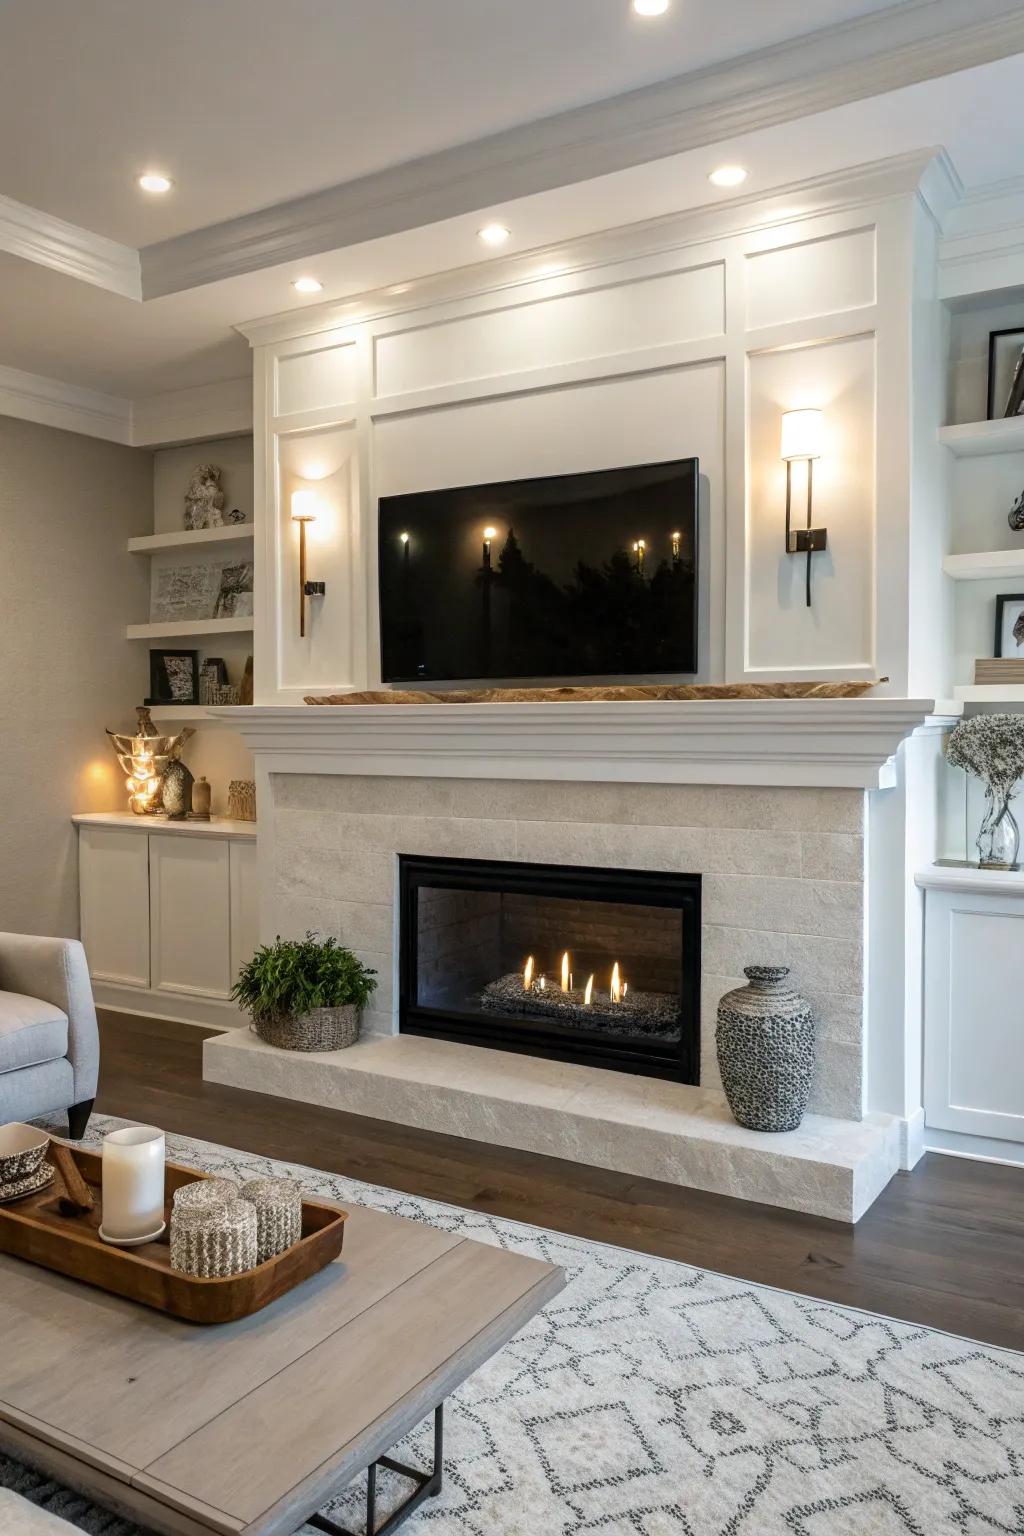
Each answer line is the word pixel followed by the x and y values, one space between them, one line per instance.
pixel 634 1125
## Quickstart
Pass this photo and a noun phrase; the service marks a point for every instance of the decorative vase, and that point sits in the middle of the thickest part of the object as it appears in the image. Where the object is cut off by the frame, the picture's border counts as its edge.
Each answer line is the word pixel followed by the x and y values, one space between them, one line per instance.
pixel 999 835
pixel 177 790
pixel 765 1042
pixel 325 1029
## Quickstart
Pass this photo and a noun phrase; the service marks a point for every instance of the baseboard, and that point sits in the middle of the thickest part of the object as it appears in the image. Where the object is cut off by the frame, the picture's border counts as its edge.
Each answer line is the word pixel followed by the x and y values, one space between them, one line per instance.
pixel 912 1134
pixel 179 1008
pixel 978 1149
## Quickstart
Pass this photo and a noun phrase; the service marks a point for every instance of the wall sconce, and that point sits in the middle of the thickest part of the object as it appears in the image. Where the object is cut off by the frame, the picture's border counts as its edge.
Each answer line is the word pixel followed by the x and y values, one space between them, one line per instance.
pixel 640 550
pixel 489 534
pixel 303 512
pixel 801 439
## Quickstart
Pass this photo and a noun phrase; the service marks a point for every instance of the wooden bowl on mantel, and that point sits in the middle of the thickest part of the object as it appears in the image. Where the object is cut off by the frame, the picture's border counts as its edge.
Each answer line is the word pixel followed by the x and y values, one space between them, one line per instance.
pixel 613 694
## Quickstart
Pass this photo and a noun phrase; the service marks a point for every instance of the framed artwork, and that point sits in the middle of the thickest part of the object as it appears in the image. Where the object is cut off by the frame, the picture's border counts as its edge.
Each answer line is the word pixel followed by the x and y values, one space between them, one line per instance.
pixel 1010 625
pixel 173 677
pixel 1005 373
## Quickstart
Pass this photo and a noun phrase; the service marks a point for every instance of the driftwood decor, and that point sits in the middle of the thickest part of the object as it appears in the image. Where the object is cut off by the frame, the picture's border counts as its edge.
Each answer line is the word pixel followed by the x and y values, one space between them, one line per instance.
pixel 643 692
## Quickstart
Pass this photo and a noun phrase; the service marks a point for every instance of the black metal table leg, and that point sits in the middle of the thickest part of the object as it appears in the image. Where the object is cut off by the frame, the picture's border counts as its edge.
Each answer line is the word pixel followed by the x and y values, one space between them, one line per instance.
pixel 428 1486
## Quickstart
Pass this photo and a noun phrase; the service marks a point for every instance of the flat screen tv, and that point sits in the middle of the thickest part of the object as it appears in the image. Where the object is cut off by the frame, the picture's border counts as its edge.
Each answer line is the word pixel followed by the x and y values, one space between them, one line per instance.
pixel 567 576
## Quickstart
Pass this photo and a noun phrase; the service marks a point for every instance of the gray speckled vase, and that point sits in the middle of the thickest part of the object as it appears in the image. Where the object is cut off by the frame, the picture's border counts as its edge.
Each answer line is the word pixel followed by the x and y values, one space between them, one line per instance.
pixel 765 1041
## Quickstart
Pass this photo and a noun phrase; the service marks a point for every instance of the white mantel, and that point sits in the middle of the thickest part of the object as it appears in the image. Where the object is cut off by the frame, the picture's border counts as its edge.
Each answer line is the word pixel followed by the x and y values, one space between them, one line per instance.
pixel 802 743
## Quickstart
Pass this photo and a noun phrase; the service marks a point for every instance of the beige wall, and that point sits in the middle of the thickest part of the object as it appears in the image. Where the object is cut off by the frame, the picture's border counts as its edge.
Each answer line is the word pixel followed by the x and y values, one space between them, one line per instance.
pixel 68 504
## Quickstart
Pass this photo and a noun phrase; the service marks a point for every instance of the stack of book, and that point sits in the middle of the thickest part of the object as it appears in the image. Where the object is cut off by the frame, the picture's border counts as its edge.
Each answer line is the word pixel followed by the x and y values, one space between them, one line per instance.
pixel 999 669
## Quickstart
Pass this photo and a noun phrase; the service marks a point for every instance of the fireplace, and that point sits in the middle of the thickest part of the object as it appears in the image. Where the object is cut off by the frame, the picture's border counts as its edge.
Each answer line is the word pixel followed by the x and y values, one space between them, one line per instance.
pixel 597 966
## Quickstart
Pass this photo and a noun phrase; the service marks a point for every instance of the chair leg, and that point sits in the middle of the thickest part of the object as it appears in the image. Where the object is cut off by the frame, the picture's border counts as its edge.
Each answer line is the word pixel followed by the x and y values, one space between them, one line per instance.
pixel 78 1118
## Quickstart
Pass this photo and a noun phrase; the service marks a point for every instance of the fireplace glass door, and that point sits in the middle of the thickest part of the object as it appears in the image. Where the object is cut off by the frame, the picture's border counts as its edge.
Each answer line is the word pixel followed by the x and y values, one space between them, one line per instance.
pixel 589 965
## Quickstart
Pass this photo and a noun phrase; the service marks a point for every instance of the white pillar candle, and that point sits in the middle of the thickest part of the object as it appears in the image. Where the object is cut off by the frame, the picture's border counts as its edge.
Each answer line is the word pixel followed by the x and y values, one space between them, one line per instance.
pixel 133 1182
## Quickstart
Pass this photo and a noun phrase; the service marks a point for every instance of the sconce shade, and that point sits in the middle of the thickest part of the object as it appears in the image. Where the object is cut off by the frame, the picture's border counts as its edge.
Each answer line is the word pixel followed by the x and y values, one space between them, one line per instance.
pixel 802 433
pixel 303 506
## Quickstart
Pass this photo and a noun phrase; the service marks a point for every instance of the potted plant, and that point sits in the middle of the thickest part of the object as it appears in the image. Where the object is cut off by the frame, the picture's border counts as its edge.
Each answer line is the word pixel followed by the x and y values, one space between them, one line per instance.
pixel 305 994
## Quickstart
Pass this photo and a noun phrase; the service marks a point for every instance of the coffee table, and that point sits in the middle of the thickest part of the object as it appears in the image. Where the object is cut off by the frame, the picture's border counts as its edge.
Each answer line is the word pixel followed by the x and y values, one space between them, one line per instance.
pixel 253 1426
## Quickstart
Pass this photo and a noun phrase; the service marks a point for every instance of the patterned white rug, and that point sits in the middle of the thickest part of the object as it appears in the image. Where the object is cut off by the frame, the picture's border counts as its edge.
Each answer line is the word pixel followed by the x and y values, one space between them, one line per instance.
pixel 653 1399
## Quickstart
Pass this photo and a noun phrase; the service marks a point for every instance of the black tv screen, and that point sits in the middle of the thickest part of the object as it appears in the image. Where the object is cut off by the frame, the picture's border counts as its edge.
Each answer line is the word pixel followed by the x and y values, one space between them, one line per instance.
pixel 588 575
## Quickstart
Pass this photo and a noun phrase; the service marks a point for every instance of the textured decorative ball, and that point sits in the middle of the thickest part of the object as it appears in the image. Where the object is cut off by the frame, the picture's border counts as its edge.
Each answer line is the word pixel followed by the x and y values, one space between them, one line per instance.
pixel 278 1205
pixel 213 1240
pixel 765 1042
pixel 205 1192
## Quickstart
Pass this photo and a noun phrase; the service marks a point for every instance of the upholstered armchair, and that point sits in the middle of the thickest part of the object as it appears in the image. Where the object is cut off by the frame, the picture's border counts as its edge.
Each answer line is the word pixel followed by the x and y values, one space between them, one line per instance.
pixel 49 1043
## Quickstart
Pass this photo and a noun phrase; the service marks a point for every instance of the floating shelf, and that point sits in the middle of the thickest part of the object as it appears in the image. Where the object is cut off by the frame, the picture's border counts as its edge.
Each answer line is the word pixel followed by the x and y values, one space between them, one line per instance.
pixel 181 629
pixel 972 439
pixel 185 714
pixel 987 565
pixel 154 543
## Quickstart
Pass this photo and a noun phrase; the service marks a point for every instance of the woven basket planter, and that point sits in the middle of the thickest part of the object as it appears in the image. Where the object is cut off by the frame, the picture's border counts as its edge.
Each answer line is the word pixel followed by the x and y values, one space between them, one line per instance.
pixel 325 1029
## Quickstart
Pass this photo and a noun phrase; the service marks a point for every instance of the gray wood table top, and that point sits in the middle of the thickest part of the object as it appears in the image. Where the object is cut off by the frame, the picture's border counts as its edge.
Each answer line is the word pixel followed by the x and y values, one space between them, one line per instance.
pixel 251 1426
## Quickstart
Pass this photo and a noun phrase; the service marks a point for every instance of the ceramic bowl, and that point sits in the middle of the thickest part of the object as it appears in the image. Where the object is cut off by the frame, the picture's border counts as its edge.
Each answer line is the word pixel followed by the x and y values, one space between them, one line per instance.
pixel 22 1149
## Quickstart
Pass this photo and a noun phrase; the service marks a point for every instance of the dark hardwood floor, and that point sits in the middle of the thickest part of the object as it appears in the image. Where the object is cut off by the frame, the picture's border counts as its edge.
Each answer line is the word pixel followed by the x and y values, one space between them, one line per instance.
pixel 943 1246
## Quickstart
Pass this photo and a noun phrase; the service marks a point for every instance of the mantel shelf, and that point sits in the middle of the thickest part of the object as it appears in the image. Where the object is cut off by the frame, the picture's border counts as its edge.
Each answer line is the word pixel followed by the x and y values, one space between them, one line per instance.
pixel 199 538
pixel 181 629
pixel 822 743
pixel 986 565
pixel 972 439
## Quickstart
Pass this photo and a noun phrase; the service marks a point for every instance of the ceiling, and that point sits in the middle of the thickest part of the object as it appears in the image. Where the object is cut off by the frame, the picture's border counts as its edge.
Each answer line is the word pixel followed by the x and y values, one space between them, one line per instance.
pixel 248 103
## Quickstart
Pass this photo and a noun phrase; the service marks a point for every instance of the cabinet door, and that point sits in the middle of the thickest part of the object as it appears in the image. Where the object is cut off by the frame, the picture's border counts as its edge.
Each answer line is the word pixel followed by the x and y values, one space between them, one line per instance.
pixel 974 1014
pixel 191 924
pixel 113 883
pixel 245 905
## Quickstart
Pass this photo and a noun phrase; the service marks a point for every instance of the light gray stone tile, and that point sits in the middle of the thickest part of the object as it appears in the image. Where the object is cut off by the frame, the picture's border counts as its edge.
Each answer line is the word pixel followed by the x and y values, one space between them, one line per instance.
pixel 365 925
pixel 295 916
pixel 333 793
pixel 683 850
pixel 440 836
pixel 833 909
pixel 725 951
pixel 838 1088
pixel 832 856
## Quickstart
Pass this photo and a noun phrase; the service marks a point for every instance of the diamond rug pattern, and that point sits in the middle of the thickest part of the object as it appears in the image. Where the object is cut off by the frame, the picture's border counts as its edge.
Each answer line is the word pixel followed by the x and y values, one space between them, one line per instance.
pixel 653 1399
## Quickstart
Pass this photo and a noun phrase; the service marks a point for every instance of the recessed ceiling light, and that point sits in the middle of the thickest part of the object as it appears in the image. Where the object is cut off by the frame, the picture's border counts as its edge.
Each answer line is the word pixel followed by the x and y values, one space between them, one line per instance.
pixel 154 181
pixel 307 285
pixel 650 7
pixel 494 234
pixel 728 176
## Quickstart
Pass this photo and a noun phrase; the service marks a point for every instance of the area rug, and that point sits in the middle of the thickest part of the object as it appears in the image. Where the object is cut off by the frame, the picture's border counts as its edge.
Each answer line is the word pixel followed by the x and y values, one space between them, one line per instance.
pixel 654 1399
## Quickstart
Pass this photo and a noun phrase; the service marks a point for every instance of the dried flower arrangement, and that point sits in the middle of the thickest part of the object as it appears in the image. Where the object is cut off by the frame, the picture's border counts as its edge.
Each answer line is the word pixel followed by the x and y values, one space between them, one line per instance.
pixel 991 747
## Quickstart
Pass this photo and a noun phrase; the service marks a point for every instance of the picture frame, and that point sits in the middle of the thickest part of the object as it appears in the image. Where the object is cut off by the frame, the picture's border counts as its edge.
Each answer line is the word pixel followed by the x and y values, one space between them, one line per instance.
pixel 173 677
pixel 1005 372
pixel 1009 625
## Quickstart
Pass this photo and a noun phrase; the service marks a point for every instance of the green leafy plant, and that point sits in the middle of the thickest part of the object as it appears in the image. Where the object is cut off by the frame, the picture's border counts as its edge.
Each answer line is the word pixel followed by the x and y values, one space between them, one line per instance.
pixel 295 976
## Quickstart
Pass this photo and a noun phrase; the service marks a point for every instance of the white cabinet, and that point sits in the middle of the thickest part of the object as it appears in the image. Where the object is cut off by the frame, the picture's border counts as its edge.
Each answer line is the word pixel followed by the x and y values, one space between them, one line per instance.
pixel 113 876
pixel 168 914
pixel 974 1003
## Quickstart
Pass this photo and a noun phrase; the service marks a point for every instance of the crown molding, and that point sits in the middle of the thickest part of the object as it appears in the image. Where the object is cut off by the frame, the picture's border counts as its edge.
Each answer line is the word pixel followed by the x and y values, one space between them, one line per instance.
pixel 50 403
pixel 792 204
pixel 75 252
pixel 903 45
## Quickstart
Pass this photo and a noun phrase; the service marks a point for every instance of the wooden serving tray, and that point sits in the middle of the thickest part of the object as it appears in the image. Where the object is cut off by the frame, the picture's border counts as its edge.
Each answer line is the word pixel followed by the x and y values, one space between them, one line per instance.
pixel 34 1229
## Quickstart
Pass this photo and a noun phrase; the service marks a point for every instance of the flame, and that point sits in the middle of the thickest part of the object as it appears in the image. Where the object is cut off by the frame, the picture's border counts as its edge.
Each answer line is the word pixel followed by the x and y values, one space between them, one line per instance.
pixel 566 973
pixel 543 983
pixel 528 975
pixel 586 995
pixel 616 987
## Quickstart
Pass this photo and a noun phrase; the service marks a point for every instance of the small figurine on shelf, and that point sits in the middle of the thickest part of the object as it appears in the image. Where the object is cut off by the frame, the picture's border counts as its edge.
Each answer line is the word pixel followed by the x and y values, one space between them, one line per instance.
pixel 144 758
pixel 204 499
pixel 1016 515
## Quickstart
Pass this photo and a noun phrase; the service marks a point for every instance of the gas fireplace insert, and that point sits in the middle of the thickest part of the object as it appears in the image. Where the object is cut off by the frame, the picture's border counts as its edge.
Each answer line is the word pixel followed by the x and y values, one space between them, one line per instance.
pixel 597 966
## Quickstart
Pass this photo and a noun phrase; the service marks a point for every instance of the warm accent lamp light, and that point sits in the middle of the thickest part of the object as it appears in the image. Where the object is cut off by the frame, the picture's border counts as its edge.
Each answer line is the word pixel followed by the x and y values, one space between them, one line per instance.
pixel 144 758
pixel 303 512
pixel 802 435
pixel 489 534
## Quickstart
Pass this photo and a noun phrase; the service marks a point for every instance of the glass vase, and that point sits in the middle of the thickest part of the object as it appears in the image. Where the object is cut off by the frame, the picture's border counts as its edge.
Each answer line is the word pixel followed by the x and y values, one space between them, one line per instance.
pixel 999 835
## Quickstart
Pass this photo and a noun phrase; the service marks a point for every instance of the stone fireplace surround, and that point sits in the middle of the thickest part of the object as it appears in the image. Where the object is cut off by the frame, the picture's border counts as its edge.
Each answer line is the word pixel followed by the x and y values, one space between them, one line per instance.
pixel 343 793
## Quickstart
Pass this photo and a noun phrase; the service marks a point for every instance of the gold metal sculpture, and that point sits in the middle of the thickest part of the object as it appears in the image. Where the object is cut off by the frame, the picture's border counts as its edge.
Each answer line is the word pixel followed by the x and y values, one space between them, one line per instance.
pixel 144 758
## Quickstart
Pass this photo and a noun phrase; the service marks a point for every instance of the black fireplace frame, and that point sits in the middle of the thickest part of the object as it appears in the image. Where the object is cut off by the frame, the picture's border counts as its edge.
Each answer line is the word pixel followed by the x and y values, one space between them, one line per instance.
pixel 650 1058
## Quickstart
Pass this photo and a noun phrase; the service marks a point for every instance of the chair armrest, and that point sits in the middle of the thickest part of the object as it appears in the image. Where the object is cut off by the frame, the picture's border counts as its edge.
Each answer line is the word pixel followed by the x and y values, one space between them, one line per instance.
pixel 56 971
